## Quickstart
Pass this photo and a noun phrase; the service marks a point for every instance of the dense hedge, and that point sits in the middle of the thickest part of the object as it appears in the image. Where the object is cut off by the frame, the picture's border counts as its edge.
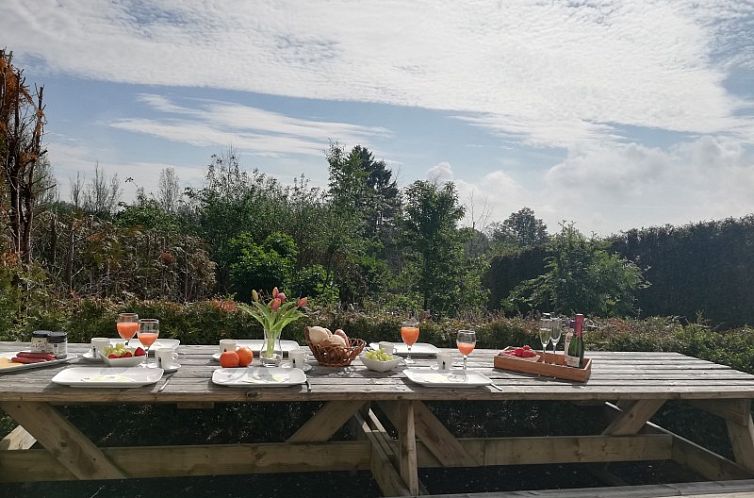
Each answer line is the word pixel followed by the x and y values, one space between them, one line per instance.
pixel 702 269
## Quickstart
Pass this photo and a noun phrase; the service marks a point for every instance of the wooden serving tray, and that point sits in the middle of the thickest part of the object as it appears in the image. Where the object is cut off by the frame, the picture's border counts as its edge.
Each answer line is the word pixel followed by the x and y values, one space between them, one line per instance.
pixel 555 366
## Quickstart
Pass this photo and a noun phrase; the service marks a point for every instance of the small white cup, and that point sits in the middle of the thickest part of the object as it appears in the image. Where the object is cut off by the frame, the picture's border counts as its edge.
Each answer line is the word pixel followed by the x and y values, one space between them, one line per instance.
pixel 98 345
pixel 444 360
pixel 227 345
pixel 298 358
pixel 387 347
pixel 165 358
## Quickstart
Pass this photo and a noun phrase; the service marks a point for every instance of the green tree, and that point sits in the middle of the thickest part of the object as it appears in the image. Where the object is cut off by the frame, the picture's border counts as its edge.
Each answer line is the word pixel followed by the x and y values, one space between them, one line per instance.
pixel 431 229
pixel 367 187
pixel 521 229
pixel 581 277
pixel 262 266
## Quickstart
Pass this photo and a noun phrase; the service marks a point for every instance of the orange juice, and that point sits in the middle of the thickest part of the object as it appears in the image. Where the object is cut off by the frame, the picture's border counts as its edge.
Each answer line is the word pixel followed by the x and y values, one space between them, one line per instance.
pixel 148 338
pixel 127 330
pixel 410 335
pixel 465 348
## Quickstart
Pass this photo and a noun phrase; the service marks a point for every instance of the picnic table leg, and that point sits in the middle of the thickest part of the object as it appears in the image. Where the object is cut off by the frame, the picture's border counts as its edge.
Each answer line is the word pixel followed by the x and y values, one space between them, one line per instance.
pixel 435 436
pixel 633 418
pixel 63 440
pixel 741 434
pixel 407 443
pixel 326 422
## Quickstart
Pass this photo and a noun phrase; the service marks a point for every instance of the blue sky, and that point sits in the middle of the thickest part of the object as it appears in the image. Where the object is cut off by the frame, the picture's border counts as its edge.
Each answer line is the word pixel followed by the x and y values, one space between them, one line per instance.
pixel 613 114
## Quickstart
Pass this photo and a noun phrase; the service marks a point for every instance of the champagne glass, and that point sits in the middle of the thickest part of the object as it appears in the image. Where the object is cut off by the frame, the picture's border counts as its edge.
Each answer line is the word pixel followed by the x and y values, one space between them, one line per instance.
pixel 544 335
pixel 149 331
pixel 410 334
pixel 466 340
pixel 556 330
pixel 127 326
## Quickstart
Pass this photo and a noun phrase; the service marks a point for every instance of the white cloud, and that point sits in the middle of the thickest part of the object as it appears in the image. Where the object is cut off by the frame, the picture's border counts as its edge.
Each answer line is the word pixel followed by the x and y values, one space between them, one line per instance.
pixel 618 187
pixel 553 74
pixel 215 123
pixel 440 172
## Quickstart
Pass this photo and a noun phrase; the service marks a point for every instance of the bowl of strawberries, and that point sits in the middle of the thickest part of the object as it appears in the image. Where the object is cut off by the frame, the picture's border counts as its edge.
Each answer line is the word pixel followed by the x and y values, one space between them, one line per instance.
pixel 122 356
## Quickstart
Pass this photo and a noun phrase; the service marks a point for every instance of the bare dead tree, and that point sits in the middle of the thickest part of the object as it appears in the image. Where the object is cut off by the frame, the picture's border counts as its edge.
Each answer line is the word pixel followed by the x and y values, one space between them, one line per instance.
pixel 77 190
pixel 102 194
pixel 169 189
pixel 22 121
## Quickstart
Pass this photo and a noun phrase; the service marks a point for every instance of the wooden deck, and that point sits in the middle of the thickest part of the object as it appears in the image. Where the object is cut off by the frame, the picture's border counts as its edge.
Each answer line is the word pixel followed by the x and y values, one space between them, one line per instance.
pixel 717 489
pixel 634 385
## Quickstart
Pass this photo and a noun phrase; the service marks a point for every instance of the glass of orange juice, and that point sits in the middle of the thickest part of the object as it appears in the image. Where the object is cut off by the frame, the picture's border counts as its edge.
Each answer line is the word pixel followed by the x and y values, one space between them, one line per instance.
pixel 466 341
pixel 127 325
pixel 149 331
pixel 410 334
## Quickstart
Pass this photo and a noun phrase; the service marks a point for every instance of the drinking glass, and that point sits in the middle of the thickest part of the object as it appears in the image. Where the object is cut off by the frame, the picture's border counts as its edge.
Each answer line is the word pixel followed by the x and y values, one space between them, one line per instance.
pixel 410 334
pixel 544 335
pixel 556 330
pixel 149 331
pixel 466 340
pixel 127 325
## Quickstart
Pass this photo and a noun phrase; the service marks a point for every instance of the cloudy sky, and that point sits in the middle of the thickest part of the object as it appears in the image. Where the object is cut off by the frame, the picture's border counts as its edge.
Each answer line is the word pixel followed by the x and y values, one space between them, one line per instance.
pixel 613 114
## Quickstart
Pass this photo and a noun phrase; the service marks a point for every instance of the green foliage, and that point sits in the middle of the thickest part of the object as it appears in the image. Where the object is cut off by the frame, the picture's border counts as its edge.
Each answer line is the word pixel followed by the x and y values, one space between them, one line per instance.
pixel 580 277
pixel 702 268
pixel 521 229
pixel 366 188
pixel 148 214
pixel 432 214
pixel 262 266
pixel 313 282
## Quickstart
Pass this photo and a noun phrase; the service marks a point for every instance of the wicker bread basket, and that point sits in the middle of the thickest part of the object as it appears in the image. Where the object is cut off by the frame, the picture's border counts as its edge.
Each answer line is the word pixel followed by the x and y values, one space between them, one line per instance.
pixel 335 356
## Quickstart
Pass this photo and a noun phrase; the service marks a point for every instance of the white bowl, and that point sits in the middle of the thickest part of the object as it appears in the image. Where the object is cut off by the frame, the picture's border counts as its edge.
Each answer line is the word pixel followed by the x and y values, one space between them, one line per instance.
pixel 129 361
pixel 380 366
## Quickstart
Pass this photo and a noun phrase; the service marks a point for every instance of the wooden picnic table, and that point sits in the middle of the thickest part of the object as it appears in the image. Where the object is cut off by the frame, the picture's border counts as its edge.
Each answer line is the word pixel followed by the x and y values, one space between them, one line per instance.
pixel 632 386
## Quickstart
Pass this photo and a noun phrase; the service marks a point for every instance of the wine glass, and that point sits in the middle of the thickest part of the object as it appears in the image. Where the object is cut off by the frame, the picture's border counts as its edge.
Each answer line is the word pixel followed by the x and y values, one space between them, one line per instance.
pixel 410 334
pixel 149 331
pixel 466 340
pixel 545 332
pixel 127 326
pixel 556 330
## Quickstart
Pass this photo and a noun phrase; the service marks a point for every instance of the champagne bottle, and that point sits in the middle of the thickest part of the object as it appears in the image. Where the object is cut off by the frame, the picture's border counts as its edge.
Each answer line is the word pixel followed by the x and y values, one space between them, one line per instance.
pixel 575 352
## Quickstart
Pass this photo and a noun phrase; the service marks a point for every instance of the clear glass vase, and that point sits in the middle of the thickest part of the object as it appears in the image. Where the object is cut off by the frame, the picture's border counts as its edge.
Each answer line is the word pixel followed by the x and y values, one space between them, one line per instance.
pixel 271 354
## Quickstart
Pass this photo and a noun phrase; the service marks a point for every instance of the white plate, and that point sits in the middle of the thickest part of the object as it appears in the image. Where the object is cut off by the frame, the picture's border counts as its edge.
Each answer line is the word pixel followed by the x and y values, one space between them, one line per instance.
pixel 108 377
pixel 447 378
pixel 29 366
pixel 256 344
pixel 418 349
pixel 258 377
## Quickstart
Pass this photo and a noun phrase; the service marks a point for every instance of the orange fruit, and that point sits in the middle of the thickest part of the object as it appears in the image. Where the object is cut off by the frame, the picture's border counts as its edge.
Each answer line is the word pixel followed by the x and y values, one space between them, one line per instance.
pixel 245 357
pixel 229 359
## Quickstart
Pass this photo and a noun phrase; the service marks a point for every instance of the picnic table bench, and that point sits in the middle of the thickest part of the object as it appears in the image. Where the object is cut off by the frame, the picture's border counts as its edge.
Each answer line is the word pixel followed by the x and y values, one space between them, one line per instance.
pixel 632 385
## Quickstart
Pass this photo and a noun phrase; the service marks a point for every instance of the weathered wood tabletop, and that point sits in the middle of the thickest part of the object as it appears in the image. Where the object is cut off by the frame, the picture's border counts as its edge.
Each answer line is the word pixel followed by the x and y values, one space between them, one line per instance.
pixel 615 376
pixel 632 385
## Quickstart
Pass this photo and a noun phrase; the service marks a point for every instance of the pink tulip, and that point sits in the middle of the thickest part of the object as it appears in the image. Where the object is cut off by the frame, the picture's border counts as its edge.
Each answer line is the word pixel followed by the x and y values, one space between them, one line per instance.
pixel 275 292
pixel 275 304
pixel 302 301
pixel 282 296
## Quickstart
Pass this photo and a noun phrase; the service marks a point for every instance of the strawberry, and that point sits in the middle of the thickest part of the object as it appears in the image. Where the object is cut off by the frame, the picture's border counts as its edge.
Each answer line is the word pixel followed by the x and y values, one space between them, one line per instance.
pixel 139 352
pixel 527 347
pixel 112 356
pixel 127 354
